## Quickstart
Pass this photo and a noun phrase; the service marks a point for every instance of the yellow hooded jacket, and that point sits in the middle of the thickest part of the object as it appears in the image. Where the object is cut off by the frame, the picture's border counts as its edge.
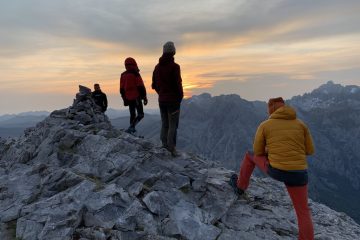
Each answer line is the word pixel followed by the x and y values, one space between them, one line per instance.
pixel 286 140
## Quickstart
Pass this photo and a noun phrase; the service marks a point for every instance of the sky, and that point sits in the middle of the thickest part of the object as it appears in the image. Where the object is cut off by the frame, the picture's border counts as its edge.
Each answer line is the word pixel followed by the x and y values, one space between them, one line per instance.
pixel 255 48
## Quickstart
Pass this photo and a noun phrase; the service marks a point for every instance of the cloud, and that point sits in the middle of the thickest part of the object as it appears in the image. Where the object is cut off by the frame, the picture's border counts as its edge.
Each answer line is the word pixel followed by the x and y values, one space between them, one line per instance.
pixel 52 46
pixel 147 25
pixel 264 86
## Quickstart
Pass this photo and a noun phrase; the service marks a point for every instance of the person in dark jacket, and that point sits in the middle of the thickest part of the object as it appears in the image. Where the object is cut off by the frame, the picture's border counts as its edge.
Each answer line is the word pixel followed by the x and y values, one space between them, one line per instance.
pixel 167 83
pixel 133 92
pixel 99 97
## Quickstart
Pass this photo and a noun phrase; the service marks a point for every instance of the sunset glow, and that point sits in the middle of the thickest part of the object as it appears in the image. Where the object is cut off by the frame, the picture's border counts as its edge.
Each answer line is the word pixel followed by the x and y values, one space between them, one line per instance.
pixel 253 49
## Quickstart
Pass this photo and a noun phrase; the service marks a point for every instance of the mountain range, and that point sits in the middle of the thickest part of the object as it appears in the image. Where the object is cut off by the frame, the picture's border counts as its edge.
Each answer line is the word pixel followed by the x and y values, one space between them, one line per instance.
pixel 75 176
pixel 222 128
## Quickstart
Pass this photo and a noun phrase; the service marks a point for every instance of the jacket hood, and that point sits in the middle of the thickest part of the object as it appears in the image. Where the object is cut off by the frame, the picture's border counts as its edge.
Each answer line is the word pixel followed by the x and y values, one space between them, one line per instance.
pixel 166 59
pixel 131 65
pixel 285 112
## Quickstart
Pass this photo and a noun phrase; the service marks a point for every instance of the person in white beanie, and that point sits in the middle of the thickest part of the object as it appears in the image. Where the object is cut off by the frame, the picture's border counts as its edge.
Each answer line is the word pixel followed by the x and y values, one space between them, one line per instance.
pixel 169 48
pixel 167 83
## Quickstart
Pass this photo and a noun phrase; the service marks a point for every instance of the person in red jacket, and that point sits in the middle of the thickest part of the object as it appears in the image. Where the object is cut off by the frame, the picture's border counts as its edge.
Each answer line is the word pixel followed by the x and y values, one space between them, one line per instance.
pixel 167 83
pixel 133 91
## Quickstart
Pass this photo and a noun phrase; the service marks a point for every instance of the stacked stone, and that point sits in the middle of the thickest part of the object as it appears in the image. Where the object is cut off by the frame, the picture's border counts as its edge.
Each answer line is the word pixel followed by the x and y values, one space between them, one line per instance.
pixel 84 109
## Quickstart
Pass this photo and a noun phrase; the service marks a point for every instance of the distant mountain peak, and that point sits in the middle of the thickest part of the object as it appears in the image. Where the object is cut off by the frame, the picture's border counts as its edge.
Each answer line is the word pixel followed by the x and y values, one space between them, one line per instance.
pixel 329 88
pixel 327 95
pixel 74 176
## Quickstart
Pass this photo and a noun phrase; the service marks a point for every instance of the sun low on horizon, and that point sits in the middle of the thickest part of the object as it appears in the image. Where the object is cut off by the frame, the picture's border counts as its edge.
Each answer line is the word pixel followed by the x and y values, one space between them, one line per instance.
pixel 257 49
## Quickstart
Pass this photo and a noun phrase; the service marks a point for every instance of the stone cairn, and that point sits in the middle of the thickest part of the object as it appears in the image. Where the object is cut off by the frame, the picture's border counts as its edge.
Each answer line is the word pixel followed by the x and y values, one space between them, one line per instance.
pixel 84 109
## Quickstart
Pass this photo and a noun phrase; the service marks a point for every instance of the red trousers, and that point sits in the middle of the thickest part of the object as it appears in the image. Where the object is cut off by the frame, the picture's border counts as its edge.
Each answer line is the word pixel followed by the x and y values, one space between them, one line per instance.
pixel 298 195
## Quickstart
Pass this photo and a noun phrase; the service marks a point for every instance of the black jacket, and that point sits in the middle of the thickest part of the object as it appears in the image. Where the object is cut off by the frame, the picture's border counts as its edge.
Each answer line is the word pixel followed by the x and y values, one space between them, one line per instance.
pixel 167 81
pixel 100 99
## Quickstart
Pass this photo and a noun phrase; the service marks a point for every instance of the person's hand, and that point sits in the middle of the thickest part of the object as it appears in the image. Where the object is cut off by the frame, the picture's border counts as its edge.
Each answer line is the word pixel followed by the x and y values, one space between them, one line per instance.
pixel 126 103
pixel 145 101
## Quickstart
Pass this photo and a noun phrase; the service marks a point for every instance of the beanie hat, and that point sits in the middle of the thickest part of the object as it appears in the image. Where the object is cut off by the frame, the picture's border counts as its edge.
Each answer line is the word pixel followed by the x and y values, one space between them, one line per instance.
pixel 275 103
pixel 169 47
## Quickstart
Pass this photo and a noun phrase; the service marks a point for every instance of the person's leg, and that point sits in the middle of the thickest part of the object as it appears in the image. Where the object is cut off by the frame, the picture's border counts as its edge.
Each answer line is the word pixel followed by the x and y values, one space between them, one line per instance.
pixel 132 106
pixel 176 126
pixel 140 112
pixel 173 115
pixel 262 162
pixel 164 124
pixel 247 167
pixel 299 198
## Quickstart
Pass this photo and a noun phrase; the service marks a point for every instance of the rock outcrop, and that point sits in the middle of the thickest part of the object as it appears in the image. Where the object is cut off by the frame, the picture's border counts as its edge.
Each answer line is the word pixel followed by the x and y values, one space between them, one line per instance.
pixel 74 176
pixel 222 128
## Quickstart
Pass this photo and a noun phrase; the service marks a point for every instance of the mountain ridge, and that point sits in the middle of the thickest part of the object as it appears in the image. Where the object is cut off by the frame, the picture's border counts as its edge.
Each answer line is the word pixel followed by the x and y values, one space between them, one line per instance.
pixel 223 133
pixel 73 176
pixel 226 131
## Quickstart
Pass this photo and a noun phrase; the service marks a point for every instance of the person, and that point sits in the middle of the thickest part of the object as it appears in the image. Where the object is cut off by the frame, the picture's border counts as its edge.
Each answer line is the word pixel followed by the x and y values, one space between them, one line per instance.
pixel 280 147
pixel 99 97
pixel 133 92
pixel 167 82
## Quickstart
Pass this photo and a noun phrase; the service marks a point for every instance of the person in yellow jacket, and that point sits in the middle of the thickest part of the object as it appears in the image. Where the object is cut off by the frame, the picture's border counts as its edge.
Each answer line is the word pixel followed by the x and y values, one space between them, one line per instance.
pixel 280 147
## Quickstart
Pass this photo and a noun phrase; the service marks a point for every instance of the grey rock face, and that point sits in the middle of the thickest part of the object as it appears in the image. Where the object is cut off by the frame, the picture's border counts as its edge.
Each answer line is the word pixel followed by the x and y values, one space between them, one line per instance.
pixel 187 219
pixel 222 128
pixel 67 179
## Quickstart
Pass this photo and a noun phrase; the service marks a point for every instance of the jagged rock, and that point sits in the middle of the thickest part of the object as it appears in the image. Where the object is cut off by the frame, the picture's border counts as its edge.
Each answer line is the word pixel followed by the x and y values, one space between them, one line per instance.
pixel 105 213
pixel 7 230
pixel 136 217
pixel 65 179
pixel 187 220
pixel 331 112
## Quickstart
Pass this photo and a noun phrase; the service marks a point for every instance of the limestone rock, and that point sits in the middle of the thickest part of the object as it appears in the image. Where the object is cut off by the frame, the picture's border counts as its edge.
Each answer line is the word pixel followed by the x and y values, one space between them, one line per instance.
pixel 71 179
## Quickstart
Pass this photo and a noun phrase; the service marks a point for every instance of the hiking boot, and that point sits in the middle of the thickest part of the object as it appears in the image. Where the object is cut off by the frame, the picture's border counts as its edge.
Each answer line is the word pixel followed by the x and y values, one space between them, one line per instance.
pixel 131 130
pixel 173 151
pixel 233 184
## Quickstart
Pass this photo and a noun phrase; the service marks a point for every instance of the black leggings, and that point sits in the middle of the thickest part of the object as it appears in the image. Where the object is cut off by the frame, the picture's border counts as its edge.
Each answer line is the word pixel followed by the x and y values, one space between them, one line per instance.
pixel 135 106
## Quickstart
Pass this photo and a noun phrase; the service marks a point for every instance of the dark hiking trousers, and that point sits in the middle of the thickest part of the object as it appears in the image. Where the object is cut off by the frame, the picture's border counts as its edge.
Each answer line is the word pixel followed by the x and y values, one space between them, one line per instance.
pixel 135 106
pixel 169 124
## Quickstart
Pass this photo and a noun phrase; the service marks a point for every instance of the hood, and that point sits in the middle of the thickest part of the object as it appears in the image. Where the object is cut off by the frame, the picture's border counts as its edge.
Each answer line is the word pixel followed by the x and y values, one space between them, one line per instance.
pixel 131 65
pixel 166 59
pixel 285 112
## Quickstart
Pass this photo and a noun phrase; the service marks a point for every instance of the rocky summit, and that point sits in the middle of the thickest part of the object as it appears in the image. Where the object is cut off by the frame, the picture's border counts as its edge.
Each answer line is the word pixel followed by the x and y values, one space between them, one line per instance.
pixel 74 176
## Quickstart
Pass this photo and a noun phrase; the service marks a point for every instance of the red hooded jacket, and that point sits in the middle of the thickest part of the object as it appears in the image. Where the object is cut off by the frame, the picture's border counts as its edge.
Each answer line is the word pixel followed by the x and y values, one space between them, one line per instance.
pixel 131 84
pixel 167 80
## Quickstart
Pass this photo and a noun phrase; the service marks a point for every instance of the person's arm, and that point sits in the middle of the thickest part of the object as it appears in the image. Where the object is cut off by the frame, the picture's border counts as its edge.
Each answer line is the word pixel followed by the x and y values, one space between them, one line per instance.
pixel 309 144
pixel 122 90
pixel 259 141
pixel 105 102
pixel 120 84
pixel 179 83
pixel 122 87
pixel 141 89
pixel 154 84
